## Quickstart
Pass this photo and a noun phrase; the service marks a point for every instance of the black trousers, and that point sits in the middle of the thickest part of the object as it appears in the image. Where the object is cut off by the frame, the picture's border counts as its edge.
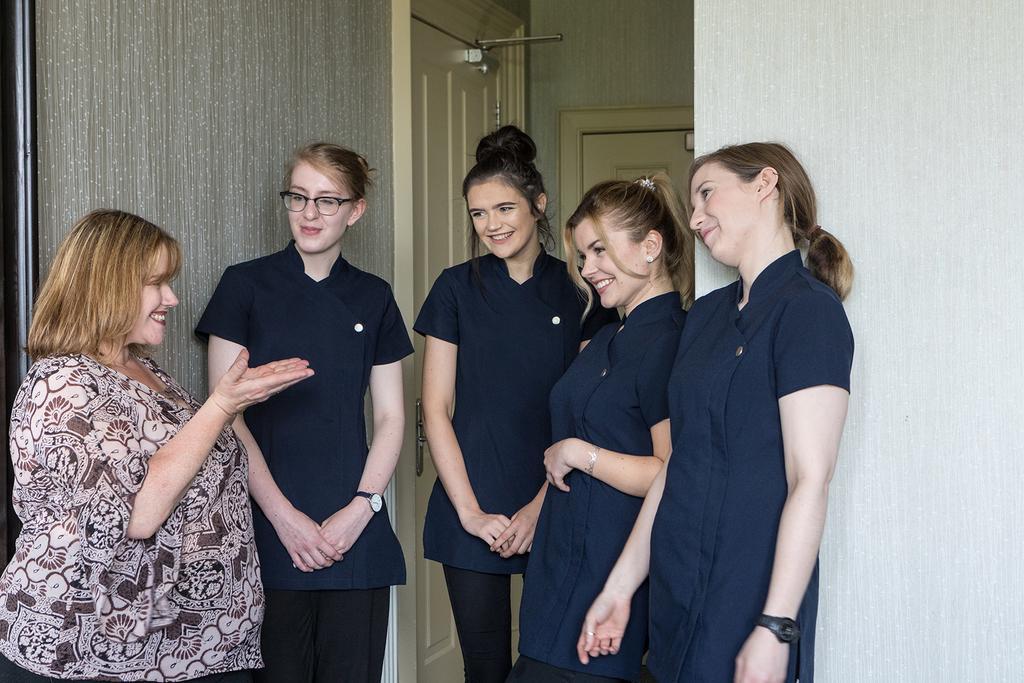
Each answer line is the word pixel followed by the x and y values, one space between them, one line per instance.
pixel 482 607
pixel 324 636
pixel 532 671
pixel 11 673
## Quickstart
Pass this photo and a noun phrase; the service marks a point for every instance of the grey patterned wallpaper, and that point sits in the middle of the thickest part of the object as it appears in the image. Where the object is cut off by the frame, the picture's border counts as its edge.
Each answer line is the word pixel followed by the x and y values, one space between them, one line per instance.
pixel 907 117
pixel 186 111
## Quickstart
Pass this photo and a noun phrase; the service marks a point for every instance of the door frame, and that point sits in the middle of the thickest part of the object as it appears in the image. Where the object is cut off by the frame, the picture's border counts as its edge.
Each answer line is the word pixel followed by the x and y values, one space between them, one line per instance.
pixel 19 232
pixel 468 19
pixel 573 124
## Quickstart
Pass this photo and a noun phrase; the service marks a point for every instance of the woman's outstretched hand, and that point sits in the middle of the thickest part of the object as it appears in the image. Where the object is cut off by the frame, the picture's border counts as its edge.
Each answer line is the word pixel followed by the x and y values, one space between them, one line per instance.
pixel 242 386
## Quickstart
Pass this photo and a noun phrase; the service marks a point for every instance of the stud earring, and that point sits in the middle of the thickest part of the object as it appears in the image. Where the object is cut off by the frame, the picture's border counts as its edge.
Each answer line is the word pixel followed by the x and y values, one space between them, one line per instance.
pixel 650 259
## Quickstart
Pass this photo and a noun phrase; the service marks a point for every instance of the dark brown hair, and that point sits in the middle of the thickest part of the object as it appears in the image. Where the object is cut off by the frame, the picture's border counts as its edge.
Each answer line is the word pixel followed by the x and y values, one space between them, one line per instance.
pixel 507 155
pixel 636 207
pixel 344 167
pixel 827 259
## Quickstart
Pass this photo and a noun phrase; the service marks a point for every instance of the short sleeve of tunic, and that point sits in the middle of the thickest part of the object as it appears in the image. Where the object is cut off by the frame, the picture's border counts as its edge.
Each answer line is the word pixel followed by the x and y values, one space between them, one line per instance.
pixel 393 343
pixel 227 314
pixel 813 344
pixel 439 315
pixel 94 462
pixel 652 378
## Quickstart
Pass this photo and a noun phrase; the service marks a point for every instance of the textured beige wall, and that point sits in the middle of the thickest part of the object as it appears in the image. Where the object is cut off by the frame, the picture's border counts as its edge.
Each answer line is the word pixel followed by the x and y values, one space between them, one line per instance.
pixel 185 112
pixel 615 53
pixel 907 116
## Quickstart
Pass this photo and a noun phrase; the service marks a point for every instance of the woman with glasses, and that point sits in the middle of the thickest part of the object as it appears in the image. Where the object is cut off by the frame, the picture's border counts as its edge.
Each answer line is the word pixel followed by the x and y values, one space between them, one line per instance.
pixel 327 549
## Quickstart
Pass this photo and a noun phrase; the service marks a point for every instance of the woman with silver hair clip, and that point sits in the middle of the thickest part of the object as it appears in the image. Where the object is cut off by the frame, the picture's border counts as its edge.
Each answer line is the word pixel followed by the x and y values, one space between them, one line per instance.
pixel 609 418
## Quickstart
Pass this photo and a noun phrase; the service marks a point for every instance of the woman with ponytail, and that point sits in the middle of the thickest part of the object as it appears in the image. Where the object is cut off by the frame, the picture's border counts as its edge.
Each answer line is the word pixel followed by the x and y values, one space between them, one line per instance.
pixel 609 419
pixel 500 330
pixel 758 394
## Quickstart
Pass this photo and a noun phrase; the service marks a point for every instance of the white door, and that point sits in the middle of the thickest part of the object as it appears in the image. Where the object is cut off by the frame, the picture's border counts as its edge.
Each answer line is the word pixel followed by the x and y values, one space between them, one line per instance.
pixel 630 155
pixel 454 105
pixel 605 143
pixel 624 156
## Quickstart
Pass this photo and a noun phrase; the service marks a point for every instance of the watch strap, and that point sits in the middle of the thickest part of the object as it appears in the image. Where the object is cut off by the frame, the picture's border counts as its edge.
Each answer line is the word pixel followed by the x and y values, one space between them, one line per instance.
pixel 784 628
pixel 370 498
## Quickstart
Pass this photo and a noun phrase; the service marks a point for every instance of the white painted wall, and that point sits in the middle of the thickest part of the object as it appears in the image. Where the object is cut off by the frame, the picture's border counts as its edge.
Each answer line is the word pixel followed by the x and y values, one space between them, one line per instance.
pixel 908 116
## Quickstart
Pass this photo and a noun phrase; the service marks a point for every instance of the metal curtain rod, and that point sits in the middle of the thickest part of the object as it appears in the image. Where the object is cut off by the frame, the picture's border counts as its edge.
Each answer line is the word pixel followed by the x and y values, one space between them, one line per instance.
pixel 467 43
pixel 494 42
pixel 506 42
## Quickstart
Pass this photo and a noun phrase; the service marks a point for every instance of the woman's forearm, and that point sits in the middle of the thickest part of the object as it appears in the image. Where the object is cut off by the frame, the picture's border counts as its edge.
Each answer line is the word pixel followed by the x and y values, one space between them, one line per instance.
pixel 634 562
pixel 632 474
pixel 448 461
pixel 796 551
pixel 262 487
pixel 173 467
pixel 385 450
pixel 629 473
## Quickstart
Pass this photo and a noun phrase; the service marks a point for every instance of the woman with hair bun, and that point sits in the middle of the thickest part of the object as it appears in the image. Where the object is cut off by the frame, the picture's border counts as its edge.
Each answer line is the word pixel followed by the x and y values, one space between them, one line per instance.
pixel 500 330
pixel 328 553
pixel 609 419
pixel 758 394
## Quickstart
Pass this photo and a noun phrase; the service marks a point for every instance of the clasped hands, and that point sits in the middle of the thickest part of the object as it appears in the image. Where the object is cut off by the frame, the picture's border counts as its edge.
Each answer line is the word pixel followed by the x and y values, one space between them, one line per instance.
pixel 506 536
pixel 315 546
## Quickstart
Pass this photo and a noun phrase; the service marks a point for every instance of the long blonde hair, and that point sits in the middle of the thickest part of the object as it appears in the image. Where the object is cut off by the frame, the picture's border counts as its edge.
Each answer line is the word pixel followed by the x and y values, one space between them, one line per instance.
pixel 90 298
pixel 636 207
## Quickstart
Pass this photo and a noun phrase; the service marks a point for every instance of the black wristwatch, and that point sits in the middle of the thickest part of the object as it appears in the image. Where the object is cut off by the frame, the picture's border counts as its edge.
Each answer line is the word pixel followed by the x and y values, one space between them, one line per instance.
pixel 374 499
pixel 784 628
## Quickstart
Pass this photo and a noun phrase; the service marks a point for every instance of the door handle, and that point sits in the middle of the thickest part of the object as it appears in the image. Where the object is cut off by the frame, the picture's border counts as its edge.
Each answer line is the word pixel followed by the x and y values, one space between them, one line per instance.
pixel 421 437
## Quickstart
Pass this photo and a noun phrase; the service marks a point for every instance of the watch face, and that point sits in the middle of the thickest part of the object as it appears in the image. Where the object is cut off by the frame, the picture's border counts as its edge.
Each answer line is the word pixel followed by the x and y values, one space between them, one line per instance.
pixel 787 631
pixel 376 502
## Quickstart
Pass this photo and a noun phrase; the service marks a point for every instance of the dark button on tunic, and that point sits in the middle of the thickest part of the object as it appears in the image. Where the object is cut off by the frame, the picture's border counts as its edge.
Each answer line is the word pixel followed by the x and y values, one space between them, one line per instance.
pixel 611 396
pixel 515 341
pixel 313 435
pixel 713 542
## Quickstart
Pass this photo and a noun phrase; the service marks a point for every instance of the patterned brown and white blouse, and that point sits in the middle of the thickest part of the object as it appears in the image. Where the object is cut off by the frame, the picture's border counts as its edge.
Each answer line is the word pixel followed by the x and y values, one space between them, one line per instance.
pixel 82 600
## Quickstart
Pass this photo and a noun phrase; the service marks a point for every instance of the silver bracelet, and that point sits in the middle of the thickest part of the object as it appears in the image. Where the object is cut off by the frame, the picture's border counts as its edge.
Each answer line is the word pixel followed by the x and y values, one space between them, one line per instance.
pixel 589 469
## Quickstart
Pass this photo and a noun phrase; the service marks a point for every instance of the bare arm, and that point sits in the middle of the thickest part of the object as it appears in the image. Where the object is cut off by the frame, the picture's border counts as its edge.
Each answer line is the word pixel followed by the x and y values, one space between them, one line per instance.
pixel 172 468
pixel 439 367
pixel 632 474
pixel 345 526
pixel 299 534
pixel 812 425
pixel 605 622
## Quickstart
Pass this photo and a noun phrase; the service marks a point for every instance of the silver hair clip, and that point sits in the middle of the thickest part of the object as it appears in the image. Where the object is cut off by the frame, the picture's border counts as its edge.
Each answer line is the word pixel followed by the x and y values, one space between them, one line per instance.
pixel 646 183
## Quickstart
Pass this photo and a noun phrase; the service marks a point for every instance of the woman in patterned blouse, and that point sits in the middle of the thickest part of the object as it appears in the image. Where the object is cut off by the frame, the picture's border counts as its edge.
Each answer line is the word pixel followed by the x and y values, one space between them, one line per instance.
pixel 136 560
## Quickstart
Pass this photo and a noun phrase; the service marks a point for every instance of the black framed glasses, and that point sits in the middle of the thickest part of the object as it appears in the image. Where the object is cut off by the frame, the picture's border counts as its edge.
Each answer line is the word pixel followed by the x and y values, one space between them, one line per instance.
pixel 327 206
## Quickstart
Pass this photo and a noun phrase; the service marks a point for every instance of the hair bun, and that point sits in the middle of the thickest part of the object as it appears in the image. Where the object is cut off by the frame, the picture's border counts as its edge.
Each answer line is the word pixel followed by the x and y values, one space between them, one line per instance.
pixel 508 142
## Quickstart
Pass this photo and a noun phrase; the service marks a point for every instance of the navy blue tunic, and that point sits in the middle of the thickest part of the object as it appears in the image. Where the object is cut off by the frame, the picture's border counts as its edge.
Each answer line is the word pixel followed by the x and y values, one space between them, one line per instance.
pixel 611 396
pixel 313 435
pixel 713 541
pixel 515 341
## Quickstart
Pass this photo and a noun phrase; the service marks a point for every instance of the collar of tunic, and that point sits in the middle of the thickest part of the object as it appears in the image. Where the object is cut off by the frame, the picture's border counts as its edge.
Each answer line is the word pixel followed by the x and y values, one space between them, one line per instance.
pixel 769 279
